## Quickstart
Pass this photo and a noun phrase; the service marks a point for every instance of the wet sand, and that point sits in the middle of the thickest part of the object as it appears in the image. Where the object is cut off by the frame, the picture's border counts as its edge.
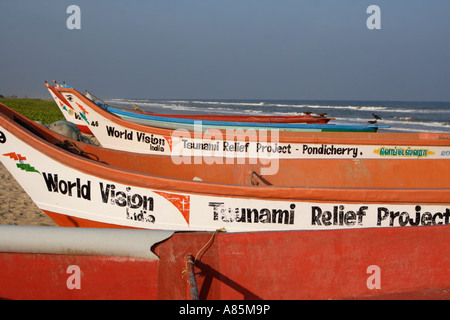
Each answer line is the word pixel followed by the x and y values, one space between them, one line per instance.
pixel 16 207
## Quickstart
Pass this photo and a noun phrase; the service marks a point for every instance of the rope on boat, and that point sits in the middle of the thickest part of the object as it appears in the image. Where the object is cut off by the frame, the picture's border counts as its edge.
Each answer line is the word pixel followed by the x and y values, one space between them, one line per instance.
pixel 209 242
pixel 192 281
pixel 190 263
pixel 73 148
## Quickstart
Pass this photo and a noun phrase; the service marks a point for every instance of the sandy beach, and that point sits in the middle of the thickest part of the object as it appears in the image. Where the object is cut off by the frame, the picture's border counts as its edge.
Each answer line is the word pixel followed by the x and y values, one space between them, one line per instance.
pixel 16 207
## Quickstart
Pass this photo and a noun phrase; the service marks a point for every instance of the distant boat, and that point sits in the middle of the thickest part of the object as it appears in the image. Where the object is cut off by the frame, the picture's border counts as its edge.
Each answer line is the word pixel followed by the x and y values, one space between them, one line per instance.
pixel 173 123
pixel 306 118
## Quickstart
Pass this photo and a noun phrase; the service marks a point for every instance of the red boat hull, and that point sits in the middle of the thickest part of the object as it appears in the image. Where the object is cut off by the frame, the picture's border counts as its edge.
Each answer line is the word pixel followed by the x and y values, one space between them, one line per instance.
pixel 384 263
pixel 44 277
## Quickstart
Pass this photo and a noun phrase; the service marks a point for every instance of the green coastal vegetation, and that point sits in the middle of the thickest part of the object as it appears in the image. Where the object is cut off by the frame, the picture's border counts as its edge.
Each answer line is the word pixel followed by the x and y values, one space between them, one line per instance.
pixel 42 110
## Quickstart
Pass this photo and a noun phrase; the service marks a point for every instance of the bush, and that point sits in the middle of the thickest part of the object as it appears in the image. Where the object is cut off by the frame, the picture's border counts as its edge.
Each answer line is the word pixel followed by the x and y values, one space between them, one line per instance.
pixel 45 111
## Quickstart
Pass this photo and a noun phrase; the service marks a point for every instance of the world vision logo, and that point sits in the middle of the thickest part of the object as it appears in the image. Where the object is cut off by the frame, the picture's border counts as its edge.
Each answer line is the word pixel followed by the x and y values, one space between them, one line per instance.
pixel 181 202
pixel 169 142
pixel 21 159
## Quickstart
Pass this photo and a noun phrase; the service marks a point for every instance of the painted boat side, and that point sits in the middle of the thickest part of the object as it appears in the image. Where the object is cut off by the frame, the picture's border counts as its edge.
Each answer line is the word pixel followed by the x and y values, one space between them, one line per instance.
pixel 71 114
pixel 113 132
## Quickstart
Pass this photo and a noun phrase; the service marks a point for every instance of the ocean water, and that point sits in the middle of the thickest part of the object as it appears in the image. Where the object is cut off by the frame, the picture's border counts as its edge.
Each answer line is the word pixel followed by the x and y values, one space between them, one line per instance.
pixel 400 116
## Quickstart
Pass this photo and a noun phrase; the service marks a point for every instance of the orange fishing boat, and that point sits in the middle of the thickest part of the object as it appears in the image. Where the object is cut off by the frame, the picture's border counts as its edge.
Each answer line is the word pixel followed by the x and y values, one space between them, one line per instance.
pixel 330 228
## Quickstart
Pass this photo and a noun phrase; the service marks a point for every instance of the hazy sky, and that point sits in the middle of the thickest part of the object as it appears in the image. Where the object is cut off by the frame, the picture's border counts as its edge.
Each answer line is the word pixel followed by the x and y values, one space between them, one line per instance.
pixel 225 49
